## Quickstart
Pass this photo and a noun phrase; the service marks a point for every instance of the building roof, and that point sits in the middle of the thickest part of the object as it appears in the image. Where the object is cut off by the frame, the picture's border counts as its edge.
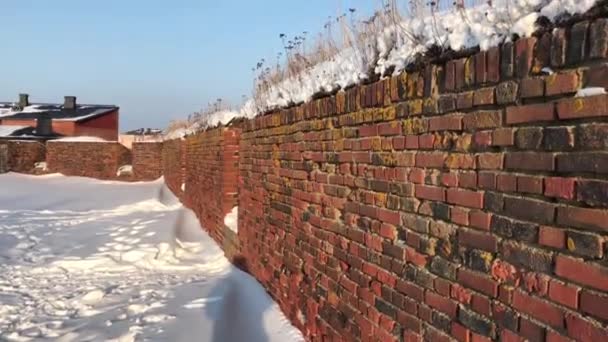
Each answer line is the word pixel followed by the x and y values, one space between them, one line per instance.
pixel 8 131
pixel 54 111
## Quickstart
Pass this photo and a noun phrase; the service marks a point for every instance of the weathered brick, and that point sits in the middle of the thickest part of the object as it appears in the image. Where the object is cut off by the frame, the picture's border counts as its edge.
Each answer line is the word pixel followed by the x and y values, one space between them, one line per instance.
pixel 481 120
pixel 530 184
pixel 564 294
pixel 598 38
pixel 559 187
pixel 503 137
pixel 583 330
pixel 466 198
pixel 476 322
pixel 558 47
pixel 582 107
pixel 595 304
pixel 530 210
pixel 577 43
pixel 562 83
pixel 586 244
pixel 524 256
pixel 524 51
pixel 552 237
pixel 507 61
pixel 581 272
pixel 483 97
pixel 558 138
pixel 532 161
pixel 530 113
pixel 528 138
pixel 506 92
pixel 593 193
pixel 592 137
pixel 592 162
pixel 532 87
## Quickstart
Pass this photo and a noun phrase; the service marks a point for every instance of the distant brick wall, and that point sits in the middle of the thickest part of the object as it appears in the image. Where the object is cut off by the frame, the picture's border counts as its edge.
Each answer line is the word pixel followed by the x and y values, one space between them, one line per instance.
pixel 23 155
pixel 174 159
pixel 212 177
pixel 147 160
pixel 87 159
pixel 466 200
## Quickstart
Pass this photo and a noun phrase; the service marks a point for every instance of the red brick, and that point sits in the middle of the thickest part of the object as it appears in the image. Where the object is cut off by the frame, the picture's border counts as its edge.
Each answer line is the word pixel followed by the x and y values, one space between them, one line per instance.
pixel 532 87
pixel 482 138
pixel 490 161
pixel 487 242
pixel 562 83
pixel 459 216
pixel 583 330
pixel 595 219
pixel 478 282
pixel 530 113
pixel 531 161
pixel 564 294
pixel 368 131
pixel 529 184
pixel 552 237
pixel 466 198
pixel 555 337
pixel 582 107
pixel 446 123
pixel 480 219
pixel 509 336
pixel 579 271
pixel 503 137
pixel 506 182
pixel 530 330
pixel 595 304
pixel 430 193
pixel 441 303
pixel 539 309
pixel 559 187
pixel 460 333
pixel 391 217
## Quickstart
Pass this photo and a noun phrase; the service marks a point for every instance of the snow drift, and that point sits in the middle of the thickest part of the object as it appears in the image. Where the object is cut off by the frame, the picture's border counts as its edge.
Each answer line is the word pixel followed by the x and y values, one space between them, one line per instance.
pixel 86 260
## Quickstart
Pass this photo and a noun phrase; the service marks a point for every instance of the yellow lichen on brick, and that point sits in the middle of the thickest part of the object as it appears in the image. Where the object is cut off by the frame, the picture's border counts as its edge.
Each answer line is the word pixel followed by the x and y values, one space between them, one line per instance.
pixel 463 142
pixel 413 126
pixel 579 104
pixel 376 144
pixel 415 107
pixel 389 113
pixel 571 245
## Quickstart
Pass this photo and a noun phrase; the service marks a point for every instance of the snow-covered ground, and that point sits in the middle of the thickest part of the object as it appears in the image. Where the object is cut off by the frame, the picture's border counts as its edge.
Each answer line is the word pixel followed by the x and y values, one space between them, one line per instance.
pixel 85 260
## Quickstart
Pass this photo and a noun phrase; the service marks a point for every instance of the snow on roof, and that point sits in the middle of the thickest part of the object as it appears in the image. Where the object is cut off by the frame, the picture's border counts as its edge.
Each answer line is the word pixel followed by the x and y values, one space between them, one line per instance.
pixel 55 111
pixel 81 139
pixel 6 130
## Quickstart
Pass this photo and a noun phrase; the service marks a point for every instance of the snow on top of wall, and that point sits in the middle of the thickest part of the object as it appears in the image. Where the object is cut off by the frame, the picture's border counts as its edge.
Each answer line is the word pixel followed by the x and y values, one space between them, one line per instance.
pixel 484 25
pixel 82 139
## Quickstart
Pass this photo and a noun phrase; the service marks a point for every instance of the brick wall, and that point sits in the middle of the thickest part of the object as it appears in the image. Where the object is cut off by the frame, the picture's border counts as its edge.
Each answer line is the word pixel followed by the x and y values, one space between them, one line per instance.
pixel 464 200
pixel 211 178
pixel 174 165
pixel 147 160
pixel 23 155
pixel 88 159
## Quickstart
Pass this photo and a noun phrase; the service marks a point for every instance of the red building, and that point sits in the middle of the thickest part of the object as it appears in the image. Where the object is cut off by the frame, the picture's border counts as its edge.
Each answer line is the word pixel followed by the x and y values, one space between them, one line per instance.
pixel 67 119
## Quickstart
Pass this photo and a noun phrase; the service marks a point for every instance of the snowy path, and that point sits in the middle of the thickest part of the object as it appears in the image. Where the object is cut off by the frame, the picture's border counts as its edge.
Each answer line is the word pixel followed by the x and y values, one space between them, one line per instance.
pixel 84 260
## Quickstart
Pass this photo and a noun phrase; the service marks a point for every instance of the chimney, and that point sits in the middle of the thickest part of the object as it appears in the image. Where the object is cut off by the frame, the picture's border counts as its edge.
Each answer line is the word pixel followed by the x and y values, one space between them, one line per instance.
pixel 69 102
pixel 44 126
pixel 24 100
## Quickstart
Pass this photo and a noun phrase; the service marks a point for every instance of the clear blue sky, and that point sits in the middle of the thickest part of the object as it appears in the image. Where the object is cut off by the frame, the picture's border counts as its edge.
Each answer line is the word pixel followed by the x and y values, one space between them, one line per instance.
pixel 158 60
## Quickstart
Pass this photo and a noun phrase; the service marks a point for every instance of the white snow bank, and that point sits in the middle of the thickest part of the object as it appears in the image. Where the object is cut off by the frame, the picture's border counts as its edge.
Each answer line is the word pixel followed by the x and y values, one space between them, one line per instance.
pixel 82 259
pixel 7 130
pixel 231 220
pixel 82 139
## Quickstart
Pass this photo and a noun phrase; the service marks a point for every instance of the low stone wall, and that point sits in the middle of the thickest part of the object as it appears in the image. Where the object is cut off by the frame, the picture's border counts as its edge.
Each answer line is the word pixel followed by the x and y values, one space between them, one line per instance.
pixel 87 159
